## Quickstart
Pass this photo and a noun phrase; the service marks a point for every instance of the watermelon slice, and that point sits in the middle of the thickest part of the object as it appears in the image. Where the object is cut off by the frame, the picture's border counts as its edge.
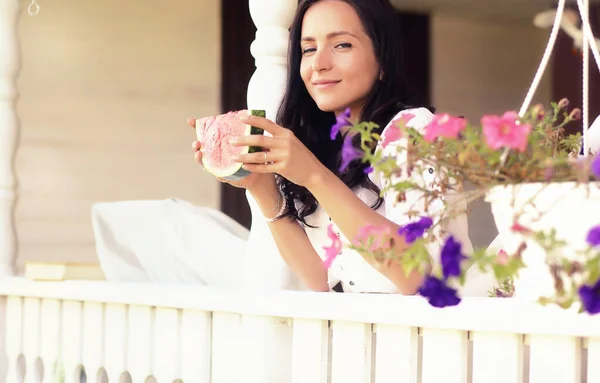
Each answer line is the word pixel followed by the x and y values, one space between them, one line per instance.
pixel 214 134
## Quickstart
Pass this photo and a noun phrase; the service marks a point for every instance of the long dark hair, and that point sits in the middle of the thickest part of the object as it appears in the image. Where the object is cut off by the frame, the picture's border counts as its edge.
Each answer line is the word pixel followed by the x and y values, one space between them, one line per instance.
pixel 299 112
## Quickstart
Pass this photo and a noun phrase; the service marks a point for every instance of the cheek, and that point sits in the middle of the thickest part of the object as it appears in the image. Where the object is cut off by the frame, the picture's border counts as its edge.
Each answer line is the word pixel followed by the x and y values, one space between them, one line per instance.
pixel 305 72
pixel 363 70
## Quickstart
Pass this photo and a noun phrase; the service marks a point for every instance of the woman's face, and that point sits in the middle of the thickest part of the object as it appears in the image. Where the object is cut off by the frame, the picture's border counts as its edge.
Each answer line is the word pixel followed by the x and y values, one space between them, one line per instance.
pixel 338 64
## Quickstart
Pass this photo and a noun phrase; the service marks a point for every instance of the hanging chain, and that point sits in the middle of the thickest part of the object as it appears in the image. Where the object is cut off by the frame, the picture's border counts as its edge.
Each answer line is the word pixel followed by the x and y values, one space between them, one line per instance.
pixel 34 8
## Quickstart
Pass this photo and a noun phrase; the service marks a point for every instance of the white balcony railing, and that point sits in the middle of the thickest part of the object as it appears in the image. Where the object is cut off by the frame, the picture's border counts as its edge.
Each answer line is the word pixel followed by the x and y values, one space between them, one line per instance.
pixel 200 334
pixel 117 332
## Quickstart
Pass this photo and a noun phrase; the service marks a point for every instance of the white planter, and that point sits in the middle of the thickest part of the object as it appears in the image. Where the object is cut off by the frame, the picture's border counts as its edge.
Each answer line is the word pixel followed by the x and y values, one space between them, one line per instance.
pixel 569 208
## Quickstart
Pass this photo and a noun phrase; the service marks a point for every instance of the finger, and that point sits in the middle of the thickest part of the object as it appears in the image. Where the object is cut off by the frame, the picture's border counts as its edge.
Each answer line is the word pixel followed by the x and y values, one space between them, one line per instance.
pixel 192 122
pixel 198 156
pixel 259 157
pixel 257 140
pixel 263 123
pixel 196 145
pixel 262 167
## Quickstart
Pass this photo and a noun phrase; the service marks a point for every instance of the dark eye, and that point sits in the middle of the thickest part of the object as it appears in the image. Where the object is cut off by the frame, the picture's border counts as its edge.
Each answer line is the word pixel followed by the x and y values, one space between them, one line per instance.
pixel 344 45
pixel 307 50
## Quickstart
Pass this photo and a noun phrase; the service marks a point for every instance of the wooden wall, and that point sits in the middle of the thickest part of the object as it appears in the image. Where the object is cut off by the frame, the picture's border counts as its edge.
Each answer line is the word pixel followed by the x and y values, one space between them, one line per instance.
pixel 105 91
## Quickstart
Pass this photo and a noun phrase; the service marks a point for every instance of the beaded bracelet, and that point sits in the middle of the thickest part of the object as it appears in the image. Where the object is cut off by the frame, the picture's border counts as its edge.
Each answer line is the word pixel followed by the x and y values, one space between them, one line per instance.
pixel 280 201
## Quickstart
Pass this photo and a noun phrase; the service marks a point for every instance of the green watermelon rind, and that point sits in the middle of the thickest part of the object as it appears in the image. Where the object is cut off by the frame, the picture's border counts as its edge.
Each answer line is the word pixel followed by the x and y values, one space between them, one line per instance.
pixel 236 172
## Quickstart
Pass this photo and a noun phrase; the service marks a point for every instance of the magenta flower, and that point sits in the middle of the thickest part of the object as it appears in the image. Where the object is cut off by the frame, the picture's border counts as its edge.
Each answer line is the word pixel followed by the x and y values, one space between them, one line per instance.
pixel 505 131
pixel 394 132
pixel 593 236
pixel 391 134
pixel 451 257
pixel 502 258
pixel 349 153
pixel 378 235
pixel 415 230
pixel 444 125
pixel 340 121
pixel 438 293
pixel 596 166
pixel 332 251
pixel 590 297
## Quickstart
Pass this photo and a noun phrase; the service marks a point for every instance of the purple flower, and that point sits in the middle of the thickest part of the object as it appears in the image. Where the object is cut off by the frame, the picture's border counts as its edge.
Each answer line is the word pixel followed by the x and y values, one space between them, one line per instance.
pixel 438 293
pixel 590 297
pixel 451 257
pixel 593 237
pixel 349 153
pixel 340 121
pixel 596 166
pixel 415 230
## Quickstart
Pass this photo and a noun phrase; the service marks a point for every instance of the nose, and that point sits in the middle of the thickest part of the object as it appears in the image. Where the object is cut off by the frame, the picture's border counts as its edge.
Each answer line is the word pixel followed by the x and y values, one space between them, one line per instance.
pixel 321 60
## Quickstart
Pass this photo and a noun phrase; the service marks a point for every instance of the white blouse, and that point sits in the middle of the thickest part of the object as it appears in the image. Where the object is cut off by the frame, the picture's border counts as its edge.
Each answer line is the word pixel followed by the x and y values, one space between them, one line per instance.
pixel 264 268
pixel 349 268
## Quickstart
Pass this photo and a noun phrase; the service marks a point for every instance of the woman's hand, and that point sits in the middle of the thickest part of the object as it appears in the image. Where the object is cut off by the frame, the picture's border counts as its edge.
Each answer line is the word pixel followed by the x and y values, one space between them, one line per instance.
pixel 250 182
pixel 283 153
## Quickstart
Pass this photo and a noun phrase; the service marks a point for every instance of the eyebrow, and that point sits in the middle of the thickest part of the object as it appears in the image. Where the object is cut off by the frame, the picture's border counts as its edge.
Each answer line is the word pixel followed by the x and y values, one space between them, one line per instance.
pixel 330 35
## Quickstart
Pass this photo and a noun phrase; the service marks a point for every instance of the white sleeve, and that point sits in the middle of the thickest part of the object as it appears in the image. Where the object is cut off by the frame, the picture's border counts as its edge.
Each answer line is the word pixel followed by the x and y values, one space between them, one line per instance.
pixel 400 212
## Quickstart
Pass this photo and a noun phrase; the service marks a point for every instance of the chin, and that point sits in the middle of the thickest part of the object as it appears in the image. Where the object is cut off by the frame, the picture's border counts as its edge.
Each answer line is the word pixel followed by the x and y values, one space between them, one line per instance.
pixel 329 105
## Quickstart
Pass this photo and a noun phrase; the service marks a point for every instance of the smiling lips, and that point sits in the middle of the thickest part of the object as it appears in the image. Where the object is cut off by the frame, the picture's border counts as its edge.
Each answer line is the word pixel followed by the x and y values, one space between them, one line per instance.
pixel 325 84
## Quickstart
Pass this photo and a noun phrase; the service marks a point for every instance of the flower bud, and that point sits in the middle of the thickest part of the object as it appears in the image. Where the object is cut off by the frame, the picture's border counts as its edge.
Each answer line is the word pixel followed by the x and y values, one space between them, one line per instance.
pixel 575 114
pixel 563 103
pixel 537 113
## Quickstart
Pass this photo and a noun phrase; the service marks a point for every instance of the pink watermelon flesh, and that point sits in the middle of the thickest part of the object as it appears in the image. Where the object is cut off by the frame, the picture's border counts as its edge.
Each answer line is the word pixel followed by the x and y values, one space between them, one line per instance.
pixel 214 134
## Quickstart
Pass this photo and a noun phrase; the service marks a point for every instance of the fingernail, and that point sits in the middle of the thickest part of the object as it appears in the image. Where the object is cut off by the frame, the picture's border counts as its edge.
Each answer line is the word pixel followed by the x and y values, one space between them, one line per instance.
pixel 243 117
pixel 233 141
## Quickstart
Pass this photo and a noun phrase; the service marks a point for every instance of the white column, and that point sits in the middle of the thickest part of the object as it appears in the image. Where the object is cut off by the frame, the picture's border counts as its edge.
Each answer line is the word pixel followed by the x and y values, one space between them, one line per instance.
pixel 269 49
pixel 265 352
pixel 265 269
pixel 9 130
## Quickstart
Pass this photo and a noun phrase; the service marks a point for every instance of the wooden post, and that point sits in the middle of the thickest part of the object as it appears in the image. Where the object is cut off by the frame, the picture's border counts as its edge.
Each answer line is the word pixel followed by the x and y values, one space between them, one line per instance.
pixel 9 131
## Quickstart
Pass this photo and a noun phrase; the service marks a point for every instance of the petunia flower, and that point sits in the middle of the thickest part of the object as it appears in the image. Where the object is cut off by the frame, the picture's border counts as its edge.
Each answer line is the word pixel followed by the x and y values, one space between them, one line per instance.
pixel 438 293
pixel 590 297
pixel 502 258
pixel 444 125
pixel 596 166
pixel 415 230
pixel 332 251
pixel 394 132
pixel 518 228
pixel 349 153
pixel 505 131
pixel 451 257
pixel 379 236
pixel 341 121
pixel 593 236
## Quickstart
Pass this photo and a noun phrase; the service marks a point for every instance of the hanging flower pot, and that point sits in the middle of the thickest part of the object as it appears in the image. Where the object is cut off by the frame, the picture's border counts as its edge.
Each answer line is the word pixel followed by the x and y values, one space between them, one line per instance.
pixel 565 212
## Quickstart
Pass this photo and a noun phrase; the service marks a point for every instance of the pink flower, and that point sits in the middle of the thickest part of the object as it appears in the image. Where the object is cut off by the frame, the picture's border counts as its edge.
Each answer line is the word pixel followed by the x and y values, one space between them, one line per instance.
pixel 394 132
pixel 502 257
pixel 518 228
pixel 331 252
pixel 505 131
pixel 404 119
pixel 378 235
pixel 444 125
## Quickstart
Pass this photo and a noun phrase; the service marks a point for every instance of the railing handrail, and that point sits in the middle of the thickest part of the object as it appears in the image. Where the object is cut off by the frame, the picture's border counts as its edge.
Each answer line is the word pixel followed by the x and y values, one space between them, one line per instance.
pixel 508 315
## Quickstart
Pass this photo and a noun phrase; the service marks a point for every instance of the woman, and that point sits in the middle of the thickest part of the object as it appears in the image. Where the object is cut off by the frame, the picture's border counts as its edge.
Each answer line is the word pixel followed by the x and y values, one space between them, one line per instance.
pixel 343 55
